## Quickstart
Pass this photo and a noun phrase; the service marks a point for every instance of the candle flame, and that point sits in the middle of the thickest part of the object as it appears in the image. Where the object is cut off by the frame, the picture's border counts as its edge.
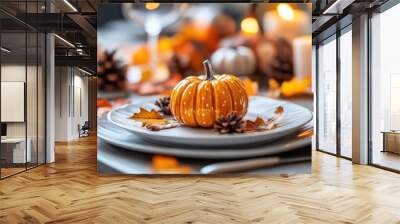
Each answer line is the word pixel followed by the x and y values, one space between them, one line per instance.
pixel 249 25
pixel 285 11
pixel 152 6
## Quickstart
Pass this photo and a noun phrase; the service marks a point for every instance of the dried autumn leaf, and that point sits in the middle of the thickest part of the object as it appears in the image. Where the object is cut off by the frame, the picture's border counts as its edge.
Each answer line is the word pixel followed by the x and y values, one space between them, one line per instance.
pixel 252 126
pixel 249 126
pixel 277 116
pixel 159 127
pixel 153 120
pixel 149 118
pixel 260 124
pixel 150 122
pixel 145 114
pixel 259 121
pixel 279 110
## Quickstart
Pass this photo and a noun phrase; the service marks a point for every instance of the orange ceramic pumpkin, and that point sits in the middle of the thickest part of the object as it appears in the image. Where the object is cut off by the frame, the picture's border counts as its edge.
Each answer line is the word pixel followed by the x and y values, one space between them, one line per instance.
pixel 199 101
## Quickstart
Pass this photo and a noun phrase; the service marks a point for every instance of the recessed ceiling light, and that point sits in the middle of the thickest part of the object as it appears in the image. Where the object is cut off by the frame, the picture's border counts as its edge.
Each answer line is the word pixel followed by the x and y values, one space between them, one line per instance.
pixel 5 50
pixel 84 71
pixel 70 5
pixel 337 7
pixel 64 40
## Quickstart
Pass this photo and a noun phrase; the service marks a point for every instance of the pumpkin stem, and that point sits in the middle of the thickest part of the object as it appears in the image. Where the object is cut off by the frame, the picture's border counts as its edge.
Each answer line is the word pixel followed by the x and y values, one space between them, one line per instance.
pixel 209 71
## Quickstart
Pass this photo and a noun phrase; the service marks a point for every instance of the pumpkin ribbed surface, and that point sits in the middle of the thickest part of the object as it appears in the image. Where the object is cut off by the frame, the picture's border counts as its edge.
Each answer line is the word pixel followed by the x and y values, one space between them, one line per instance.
pixel 196 101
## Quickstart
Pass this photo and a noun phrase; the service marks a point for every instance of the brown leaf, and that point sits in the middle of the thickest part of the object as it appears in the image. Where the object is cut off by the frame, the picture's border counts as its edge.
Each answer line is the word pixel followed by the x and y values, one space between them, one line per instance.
pixel 149 122
pixel 259 121
pixel 149 118
pixel 260 124
pixel 277 116
pixel 252 126
pixel 279 110
pixel 159 127
pixel 145 114
pixel 249 126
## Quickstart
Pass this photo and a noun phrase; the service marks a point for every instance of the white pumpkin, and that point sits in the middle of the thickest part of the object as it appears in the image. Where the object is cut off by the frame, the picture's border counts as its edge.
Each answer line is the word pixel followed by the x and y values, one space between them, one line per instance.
pixel 234 60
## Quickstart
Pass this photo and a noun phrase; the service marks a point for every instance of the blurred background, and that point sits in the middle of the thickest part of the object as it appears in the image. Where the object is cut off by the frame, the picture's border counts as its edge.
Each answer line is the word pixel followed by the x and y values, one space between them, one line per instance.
pixel 146 49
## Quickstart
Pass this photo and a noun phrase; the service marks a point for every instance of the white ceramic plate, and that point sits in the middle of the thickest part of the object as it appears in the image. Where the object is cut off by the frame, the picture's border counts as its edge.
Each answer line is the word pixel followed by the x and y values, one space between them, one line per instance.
pixel 295 116
pixel 127 140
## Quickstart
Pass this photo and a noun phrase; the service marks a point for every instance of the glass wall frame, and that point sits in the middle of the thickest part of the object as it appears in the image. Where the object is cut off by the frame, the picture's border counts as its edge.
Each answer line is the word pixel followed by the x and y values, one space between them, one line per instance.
pixel 372 77
pixel 345 93
pixel 384 78
pixel 326 97
pixel 23 52
pixel 339 76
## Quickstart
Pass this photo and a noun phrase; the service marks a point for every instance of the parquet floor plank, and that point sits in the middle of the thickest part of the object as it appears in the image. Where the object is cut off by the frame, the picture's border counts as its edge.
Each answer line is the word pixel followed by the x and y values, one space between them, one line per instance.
pixel 71 191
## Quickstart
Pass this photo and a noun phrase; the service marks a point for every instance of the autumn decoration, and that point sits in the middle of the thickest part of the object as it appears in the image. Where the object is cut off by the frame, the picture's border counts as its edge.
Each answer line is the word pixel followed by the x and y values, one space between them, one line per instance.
pixel 231 123
pixel 162 164
pixel 198 101
pixel 153 120
pixel 110 72
pixel 239 60
pixel 163 104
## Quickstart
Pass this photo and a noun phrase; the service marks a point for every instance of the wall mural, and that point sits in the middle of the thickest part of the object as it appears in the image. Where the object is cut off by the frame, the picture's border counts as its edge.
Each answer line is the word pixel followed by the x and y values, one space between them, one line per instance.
pixel 204 88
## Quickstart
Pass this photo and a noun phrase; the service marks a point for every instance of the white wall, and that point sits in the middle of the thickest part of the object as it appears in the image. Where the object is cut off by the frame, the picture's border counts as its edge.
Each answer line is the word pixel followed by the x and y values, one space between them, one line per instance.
pixel 61 114
pixel 71 94
pixel 12 73
pixel 33 127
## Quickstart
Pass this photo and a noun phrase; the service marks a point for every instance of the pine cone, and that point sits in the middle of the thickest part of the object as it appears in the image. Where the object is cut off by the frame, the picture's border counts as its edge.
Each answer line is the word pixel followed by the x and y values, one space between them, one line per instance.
pixel 282 64
pixel 179 64
pixel 230 123
pixel 163 104
pixel 110 74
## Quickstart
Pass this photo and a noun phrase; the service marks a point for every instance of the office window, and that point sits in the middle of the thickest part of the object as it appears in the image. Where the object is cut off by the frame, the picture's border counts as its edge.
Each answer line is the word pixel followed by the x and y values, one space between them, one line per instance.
pixel 15 149
pixel 22 91
pixel 346 93
pixel 385 89
pixel 327 96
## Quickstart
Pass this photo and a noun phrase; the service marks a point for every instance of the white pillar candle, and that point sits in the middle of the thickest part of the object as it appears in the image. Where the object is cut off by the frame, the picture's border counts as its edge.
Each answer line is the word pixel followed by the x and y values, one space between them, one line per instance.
pixel 302 49
pixel 287 24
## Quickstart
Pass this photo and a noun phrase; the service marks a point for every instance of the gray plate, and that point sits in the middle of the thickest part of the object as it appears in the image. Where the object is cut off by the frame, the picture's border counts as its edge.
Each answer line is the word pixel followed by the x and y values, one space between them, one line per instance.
pixel 120 137
pixel 295 117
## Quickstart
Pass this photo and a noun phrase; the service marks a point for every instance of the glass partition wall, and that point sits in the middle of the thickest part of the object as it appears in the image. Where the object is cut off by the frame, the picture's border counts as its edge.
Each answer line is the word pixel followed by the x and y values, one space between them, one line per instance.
pixel 22 77
pixel 334 94
pixel 382 69
pixel 345 92
pixel 327 95
pixel 385 90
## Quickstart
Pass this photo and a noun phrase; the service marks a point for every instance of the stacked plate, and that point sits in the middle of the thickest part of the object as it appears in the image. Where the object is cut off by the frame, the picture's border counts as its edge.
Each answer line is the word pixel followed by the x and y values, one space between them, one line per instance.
pixel 118 130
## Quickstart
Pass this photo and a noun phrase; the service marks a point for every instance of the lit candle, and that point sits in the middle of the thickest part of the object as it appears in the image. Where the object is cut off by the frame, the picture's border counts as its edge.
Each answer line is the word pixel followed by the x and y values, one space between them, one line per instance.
pixel 286 22
pixel 249 26
pixel 152 5
pixel 302 48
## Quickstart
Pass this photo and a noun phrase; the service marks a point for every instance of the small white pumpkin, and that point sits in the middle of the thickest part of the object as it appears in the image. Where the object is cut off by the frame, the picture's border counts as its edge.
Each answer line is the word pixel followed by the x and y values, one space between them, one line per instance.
pixel 234 60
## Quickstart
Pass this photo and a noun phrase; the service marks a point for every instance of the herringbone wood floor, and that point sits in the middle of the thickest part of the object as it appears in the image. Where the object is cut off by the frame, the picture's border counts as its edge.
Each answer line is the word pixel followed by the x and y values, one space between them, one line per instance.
pixel 70 191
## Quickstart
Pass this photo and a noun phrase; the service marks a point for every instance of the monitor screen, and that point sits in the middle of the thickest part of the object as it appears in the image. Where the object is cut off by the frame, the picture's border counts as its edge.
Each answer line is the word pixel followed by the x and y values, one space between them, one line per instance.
pixel 3 129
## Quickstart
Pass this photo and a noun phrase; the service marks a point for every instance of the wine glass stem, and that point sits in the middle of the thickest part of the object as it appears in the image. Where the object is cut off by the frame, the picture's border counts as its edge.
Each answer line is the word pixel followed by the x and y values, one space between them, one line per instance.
pixel 153 43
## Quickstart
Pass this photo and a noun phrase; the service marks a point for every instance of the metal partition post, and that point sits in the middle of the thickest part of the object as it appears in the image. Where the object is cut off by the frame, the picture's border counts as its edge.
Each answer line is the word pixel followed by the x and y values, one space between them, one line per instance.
pixel 50 92
pixel 360 90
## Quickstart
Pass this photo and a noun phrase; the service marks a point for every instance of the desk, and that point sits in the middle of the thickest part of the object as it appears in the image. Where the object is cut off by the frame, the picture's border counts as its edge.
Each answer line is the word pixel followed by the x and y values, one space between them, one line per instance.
pixel 391 141
pixel 13 150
